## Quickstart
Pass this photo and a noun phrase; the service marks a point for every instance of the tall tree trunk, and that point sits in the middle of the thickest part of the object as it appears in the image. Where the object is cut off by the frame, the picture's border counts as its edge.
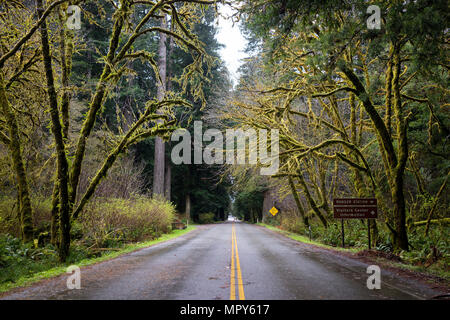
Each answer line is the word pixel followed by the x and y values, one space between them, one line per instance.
pixel 14 145
pixel 168 168
pixel 96 103
pixel 168 178
pixel 310 199
pixel 435 201
pixel 297 202
pixel 54 226
pixel 398 196
pixel 66 51
pixel 394 162
pixel 188 207
pixel 187 192
pixel 267 205
pixel 62 164
pixel 158 170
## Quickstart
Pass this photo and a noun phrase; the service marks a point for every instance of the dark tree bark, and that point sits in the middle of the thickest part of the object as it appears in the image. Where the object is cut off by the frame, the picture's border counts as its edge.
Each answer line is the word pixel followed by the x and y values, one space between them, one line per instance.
pixel 14 145
pixel 158 170
pixel 310 199
pixel 398 196
pixel 188 206
pixel 54 227
pixel 66 51
pixel 168 164
pixel 168 177
pixel 394 160
pixel 297 202
pixel 95 105
pixel 62 164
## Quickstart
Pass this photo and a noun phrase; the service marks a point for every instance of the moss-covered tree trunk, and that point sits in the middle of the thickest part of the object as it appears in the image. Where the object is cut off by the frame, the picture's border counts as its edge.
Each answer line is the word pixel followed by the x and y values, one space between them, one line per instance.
pixel 169 74
pixel 96 102
pixel 66 51
pixel 398 197
pixel 311 200
pixel 297 201
pixel 62 163
pixel 159 164
pixel 394 162
pixel 168 177
pixel 14 145
pixel 54 225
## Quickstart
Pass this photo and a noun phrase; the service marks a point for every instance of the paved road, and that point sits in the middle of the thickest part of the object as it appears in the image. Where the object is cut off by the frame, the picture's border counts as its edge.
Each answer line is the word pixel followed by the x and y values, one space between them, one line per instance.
pixel 266 265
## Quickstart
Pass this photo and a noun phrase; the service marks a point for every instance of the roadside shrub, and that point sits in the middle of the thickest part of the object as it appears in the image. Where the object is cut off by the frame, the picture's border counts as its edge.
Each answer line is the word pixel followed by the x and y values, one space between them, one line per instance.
pixel 331 235
pixel 355 233
pixel 18 259
pixel 42 213
pixel 207 217
pixel 9 220
pixel 291 222
pixel 427 250
pixel 106 222
pixel 273 221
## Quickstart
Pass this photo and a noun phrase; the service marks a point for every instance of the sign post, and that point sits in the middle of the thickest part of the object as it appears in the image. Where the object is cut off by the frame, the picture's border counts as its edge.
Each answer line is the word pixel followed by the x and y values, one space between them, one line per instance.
pixel 355 208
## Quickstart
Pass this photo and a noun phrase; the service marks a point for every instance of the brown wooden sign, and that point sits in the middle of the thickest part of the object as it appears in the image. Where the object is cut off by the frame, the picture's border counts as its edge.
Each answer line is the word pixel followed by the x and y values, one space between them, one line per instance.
pixel 355 202
pixel 355 208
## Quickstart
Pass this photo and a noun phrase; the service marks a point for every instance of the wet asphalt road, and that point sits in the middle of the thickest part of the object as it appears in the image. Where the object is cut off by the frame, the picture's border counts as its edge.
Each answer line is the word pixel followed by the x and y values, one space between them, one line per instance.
pixel 198 266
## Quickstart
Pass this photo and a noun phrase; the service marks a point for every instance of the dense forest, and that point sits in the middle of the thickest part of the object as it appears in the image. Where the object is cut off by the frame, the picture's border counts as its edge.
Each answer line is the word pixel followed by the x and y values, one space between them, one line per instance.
pixel 86 121
pixel 362 112
pixel 88 112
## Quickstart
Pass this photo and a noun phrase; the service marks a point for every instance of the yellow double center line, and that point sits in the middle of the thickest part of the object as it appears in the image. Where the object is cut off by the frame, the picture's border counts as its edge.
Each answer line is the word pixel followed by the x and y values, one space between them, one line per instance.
pixel 237 270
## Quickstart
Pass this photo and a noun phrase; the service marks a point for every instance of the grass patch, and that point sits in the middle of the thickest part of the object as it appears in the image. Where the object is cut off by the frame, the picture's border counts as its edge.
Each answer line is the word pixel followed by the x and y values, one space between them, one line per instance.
pixel 300 238
pixel 107 255
pixel 434 271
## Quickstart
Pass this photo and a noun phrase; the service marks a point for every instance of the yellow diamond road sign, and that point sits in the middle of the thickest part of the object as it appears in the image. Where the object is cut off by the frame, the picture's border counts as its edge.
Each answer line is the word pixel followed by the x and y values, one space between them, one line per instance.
pixel 273 211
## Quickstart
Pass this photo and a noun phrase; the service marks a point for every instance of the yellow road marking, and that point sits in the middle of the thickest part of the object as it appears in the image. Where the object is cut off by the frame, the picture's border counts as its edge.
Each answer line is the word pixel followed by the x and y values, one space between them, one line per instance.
pixel 232 285
pixel 234 249
pixel 239 274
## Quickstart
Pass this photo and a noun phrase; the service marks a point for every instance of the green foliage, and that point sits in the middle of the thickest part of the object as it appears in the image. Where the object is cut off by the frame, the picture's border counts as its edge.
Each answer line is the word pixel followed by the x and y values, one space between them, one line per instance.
pixel 9 221
pixel 288 221
pixel 331 235
pixel 395 77
pixel 207 217
pixel 427 250
pixel 18 259
pixel 108 222
pixel 248 195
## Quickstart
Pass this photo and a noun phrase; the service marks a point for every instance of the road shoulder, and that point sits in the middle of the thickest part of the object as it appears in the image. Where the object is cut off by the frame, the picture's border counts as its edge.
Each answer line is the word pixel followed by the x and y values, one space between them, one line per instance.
pixel 433 282
pixel 48 275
